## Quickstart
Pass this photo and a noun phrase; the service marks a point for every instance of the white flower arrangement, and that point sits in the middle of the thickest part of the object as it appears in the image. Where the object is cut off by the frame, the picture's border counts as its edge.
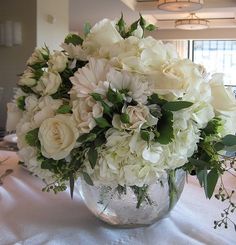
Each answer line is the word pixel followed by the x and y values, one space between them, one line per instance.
pixel 117 107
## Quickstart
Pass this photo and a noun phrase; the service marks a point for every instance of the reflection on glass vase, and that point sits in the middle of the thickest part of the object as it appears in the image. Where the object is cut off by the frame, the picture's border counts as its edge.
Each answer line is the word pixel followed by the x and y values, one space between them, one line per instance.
pixel 132 206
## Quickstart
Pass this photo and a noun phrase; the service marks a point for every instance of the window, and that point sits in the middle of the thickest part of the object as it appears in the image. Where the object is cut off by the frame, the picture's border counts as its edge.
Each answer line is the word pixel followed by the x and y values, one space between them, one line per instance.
pixel 217 56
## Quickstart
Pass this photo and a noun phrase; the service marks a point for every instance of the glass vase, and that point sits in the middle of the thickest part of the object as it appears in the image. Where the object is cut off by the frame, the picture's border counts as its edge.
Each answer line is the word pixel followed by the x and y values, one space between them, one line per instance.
pixel 120 206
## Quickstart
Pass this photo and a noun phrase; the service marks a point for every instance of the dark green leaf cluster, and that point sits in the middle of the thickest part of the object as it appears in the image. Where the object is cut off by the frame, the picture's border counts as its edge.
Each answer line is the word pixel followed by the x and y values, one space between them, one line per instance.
pixel 126 32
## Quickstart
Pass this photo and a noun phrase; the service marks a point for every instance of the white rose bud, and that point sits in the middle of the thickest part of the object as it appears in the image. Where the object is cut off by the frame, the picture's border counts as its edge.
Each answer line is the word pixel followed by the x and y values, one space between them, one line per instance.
pixel 57 61
pixel 58 136
pixel 27 79
pixel 48 83
pixel 38 56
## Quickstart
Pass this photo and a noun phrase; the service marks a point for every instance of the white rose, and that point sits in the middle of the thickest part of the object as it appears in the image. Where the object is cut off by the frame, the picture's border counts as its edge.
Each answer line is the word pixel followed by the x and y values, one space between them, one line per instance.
pixel 84 112
pixel 57 62
pixel 223 98
pixel 57 136
pixel 14 115
pixel 38 56
pixel 48 83
pixel 28 78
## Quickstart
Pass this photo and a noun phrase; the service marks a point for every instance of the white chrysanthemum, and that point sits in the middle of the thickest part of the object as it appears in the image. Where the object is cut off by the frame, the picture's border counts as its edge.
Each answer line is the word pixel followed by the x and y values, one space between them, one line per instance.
pixel 136 87
pixel 89 78
pixel 74 51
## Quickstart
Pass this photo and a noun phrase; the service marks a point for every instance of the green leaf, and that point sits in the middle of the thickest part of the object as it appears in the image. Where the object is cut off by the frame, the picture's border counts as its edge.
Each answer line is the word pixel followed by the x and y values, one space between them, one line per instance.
pixel 229 140
pixel 124 117
pixel 114 97
pixel 150 27
pixel 87 28
pixel 165 128
pixel 219 146
pixel 121 26
pixel 87 178
pixel 145 135
pixel 74 39
pixel 21 102
pixel 88 137
pixel 106 108
pixel 142 22
pixel 100 140
pixel 202 178
pixel 134 26
pixel 176 105
pixel 212 178
pixel 63 109
pixel 72 184
pixel 31 137
pixel 96 96
pixel 92 157
pixel 198 163
pixel 154 99
pixel 102 122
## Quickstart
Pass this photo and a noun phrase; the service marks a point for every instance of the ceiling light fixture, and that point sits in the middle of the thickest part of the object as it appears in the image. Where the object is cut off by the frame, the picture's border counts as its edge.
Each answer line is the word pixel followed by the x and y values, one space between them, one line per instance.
pixel 180 5
pixel 192 22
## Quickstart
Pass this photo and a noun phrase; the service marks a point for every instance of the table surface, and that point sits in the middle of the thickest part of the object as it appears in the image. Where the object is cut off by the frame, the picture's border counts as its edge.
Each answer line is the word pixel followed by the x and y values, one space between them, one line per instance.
pixel 30 216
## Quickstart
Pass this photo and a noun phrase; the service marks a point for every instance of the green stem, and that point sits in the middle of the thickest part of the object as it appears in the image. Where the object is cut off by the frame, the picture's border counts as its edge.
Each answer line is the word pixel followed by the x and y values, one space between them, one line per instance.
pixel 172 188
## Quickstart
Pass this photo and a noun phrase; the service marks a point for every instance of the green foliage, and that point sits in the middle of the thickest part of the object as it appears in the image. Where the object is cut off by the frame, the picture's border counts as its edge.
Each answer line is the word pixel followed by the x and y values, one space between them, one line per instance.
pixel 155 99
pixel 165 128
pixel 21 102
pixel 72 184
pixel 121 26
pixel 87 178
pixel 32 139
pixel 92 156
pixel 176 105
pixel 64 109
pixel 87 28
pixel 124 117
pixel 114 97
pixel 87 137
pixel 141 194
pixel 74 39
pixel 102 122
pixel 145 135
pixel 229 140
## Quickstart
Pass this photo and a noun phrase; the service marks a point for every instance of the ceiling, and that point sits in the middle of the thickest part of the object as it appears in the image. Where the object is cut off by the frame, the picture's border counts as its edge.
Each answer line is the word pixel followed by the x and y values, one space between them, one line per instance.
pixel 220 13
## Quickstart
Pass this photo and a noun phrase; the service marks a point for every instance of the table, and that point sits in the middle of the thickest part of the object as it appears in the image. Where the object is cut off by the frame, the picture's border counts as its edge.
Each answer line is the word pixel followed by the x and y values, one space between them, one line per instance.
pixel 29 216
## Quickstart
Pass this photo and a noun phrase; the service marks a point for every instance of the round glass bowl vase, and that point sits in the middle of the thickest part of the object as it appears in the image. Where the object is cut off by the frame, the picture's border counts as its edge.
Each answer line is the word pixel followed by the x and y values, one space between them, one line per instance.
pixel 130 207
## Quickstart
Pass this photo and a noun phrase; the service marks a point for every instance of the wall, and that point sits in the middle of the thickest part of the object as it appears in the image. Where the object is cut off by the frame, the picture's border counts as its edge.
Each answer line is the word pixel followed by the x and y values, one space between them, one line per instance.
pixel 48 31
pixel 224 33
pixel 13 59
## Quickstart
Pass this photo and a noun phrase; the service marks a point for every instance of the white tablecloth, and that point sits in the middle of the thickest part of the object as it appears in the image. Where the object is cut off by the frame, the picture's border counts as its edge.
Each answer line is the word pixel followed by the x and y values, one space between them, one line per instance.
pixel 29 216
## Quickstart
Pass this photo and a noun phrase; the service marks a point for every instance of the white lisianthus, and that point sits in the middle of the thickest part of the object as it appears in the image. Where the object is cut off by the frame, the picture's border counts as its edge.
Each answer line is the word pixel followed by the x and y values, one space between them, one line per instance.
pixel 138 116
pixel 48 83
pixel 57 136
pixel 74 51
pixel 103 34
pixel 14 114
pixel 177 78
pixel 57 62
pixel 89 78
pixel 38 56
pixel 223 99
pixel 84 112
pixel 133 86
pixel 28 78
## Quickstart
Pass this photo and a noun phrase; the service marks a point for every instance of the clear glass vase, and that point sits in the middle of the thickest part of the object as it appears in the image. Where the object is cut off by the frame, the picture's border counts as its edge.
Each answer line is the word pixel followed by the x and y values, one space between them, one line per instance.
pixel 119 207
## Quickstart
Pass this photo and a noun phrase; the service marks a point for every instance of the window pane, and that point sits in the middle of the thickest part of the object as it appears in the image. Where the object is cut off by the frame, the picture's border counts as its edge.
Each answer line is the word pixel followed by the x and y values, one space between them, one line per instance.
pixel 217 56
